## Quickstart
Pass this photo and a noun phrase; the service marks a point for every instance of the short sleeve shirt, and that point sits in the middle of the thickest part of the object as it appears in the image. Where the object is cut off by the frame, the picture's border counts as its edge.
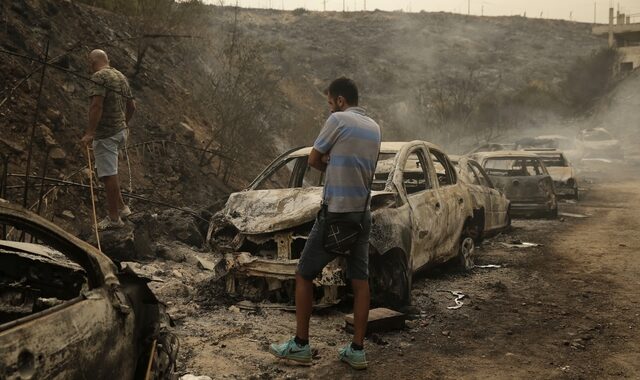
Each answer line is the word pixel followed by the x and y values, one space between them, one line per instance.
pixel 112 85
pixel 352 140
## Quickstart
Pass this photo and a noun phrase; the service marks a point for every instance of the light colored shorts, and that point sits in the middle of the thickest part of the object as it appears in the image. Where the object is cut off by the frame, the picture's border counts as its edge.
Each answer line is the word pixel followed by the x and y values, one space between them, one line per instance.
pixel 105 152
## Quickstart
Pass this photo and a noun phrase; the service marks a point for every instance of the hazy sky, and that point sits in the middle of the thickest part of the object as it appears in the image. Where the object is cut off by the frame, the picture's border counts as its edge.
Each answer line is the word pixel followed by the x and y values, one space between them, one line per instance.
pixel 580 10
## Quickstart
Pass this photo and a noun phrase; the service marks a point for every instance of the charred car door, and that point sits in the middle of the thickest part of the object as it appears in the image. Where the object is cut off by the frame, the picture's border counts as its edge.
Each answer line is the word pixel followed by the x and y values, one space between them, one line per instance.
pixel 426 208
pixel 455 204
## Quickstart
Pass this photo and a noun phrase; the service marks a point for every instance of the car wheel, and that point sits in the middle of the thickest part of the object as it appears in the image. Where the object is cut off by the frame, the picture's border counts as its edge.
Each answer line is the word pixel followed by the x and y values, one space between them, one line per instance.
pixel 467 249
pixel 390 279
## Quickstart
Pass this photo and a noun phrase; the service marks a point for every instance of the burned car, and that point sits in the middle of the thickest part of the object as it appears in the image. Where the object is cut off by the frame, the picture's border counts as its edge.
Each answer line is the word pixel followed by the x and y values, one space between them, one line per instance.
pixel 524 179
pixel 66 311
pixel 573 149
pixel 490 205
pixel 561 171
pixel 492 147
pixel 599 143
pixel 419 218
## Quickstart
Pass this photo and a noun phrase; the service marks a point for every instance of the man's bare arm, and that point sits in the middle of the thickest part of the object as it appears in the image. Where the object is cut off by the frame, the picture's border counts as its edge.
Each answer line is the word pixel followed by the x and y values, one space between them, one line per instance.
pixel 95 114
pixel 131 108
pixel 318 160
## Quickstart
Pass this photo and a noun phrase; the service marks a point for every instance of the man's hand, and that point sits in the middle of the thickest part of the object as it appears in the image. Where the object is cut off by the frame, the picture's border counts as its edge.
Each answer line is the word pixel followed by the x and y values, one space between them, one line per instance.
pixel 86 140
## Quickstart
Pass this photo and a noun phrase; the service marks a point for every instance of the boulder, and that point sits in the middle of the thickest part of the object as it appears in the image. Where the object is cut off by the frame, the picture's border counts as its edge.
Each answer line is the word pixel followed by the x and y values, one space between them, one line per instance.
pixel 118 244
pixel 58 155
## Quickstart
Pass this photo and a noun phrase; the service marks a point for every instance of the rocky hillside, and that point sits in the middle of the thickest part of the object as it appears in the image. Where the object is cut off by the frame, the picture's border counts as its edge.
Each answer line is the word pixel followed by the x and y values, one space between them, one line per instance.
pixel 396 58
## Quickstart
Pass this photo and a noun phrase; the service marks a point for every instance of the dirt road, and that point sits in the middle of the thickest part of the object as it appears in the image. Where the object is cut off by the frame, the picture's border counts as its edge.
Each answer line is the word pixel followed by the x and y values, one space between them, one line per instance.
pixel 567 309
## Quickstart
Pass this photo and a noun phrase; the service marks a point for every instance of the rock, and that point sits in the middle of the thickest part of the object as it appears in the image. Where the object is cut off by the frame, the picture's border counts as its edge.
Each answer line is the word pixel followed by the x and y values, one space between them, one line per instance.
pixel 234 309
pixel 68 214
pixel 118 244
pixel 193 377
pixel 173 289
pixel 170 254
pixel 412 324
pixel 54 115
pixel 205 264
pixel 446 333
pixel 176 273
pixel 46 135
pixel 69 87
pixel 143 244
pixel 14 146
pixel 58 156
pixel 180 225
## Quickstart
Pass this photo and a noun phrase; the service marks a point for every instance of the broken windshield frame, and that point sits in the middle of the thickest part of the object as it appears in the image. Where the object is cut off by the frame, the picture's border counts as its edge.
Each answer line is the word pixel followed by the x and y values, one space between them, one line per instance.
pixel 514 167
pixel 293 172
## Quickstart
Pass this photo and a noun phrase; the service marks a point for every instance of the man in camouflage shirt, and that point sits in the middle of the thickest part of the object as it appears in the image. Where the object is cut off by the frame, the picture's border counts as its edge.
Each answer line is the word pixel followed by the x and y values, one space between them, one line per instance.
pixel 110 110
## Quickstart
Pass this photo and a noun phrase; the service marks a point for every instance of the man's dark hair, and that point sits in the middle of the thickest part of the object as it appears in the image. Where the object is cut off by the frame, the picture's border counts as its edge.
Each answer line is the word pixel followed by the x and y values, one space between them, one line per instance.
pixel 344 87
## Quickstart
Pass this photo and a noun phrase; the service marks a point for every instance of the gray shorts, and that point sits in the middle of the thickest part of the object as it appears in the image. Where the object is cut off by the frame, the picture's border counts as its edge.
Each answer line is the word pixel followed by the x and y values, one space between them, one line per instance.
pixel 105 152
pixel 314 257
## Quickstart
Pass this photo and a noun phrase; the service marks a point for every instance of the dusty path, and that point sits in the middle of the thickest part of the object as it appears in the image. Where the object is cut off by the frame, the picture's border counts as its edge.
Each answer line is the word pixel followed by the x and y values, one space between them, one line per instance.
pixel 569 309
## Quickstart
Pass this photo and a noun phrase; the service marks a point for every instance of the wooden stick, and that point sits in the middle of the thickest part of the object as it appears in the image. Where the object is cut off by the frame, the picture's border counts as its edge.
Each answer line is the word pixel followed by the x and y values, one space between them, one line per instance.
pixel 153 353
pixel 93 199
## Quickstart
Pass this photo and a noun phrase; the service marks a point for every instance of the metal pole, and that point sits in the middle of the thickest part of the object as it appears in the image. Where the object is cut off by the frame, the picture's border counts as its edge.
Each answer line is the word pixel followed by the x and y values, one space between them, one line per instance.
pixel 33 127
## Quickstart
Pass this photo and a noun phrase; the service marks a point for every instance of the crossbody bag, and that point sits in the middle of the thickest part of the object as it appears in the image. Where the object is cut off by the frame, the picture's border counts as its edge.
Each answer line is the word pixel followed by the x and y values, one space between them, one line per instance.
pixel 341 234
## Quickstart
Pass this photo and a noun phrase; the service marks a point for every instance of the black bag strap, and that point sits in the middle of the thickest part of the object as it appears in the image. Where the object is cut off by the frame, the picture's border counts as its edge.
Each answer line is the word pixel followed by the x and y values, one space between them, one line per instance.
pixel 373 176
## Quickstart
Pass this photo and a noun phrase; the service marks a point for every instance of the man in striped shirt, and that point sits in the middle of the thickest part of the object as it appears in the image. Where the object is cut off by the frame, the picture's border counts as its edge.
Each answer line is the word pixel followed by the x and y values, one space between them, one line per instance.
pixel 347 150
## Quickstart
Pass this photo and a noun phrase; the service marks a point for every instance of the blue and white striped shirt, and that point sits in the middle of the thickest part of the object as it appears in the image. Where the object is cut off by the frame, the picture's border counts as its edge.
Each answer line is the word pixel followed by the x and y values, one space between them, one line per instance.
pixel 352 140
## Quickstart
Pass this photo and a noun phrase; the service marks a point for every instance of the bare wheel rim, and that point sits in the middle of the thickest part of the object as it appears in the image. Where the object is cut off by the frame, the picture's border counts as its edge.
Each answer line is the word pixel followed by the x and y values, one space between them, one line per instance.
pixel 467 248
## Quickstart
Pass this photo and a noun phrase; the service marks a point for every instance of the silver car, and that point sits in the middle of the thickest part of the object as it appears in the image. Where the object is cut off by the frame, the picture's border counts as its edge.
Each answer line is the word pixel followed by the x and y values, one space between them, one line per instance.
pixel 420 218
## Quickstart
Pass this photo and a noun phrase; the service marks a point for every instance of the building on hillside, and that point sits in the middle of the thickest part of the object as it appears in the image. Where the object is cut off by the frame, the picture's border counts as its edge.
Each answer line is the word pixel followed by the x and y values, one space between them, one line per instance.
pixel 625 36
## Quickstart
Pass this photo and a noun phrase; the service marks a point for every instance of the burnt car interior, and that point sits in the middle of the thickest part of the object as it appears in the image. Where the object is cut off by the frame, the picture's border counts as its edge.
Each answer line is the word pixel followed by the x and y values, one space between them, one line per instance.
pixel 34 277
pixel 444 170
pixel 478 177
pixel 513 167
pixel 414 177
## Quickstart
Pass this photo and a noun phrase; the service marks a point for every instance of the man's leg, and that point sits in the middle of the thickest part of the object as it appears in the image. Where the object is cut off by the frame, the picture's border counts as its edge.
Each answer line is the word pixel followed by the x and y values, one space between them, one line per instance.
pixel 304 306
pixel 112 189
pixel 361 300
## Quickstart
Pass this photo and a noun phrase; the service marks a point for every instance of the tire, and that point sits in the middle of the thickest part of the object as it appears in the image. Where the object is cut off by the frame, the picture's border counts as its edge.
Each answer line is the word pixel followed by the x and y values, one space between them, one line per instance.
pixel 390 279
pixel 466 251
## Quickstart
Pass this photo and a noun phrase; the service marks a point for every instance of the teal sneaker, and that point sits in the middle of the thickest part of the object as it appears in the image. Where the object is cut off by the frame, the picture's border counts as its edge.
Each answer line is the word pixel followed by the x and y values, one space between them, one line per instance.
pixel 355 358
pixel 291 351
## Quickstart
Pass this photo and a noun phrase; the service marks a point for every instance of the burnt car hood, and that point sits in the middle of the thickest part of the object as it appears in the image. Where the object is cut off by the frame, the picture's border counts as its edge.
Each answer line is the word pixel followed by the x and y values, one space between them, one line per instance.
pixel 266 211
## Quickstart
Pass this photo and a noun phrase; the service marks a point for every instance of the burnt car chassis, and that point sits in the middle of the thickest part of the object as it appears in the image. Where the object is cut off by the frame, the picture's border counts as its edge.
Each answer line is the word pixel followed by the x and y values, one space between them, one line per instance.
pixel 420 218
pixel 67 312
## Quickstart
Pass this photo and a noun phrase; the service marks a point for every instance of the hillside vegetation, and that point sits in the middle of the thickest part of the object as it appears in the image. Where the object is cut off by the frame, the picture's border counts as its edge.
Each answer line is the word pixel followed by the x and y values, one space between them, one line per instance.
pixel 221 91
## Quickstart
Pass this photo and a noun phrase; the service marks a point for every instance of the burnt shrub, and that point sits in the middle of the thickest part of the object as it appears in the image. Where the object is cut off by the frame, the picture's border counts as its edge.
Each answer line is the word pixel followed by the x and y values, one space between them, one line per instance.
pixel 590 78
